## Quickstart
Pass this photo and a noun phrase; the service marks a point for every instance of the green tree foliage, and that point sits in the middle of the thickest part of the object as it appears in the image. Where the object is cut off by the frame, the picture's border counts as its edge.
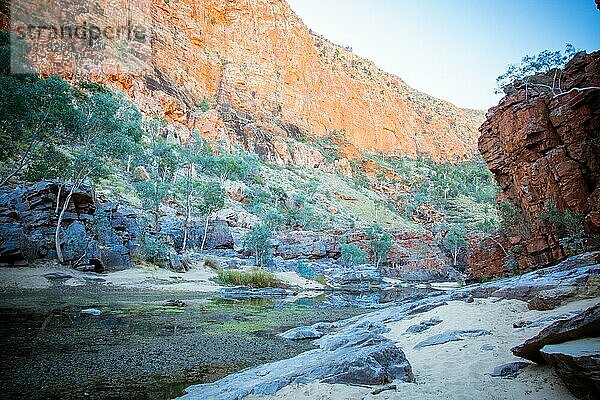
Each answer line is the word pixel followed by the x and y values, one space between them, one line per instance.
pixel 213 198
pixel 305 270
pixel 351 254
pixel 569 225
pixel 453 243
pixel 541 72
pixel 463 193
pixel 152 194
pixel 513 220
pixel 258 243
pixel 191 191
pixel 381 243
pixel 239 166
pixel 300 212
pixel 154 250
pixel 205 105
pixel 34 114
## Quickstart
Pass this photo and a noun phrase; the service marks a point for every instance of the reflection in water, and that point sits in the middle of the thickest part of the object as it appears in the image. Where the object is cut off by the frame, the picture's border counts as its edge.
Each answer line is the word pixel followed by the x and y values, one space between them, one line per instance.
pixel 142 346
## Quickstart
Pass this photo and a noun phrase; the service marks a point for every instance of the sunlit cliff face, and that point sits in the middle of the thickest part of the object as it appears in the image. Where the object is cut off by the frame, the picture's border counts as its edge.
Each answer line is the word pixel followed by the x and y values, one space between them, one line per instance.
pixel 257 58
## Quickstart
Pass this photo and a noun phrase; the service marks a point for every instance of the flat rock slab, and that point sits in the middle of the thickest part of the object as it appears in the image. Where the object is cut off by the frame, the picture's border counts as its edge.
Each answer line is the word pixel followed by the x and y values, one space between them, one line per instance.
pixel 57 276
pixel 509 370
pixel 355 357
pixel 584 324
pixel 577 363
pixel 423 325
pixel 301 333
pixel 452 336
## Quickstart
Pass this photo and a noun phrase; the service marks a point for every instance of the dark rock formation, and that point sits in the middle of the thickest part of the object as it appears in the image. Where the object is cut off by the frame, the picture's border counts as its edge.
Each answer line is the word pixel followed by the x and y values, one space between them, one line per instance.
pixel 413 256
pixel 99 235
pixel 509 370
pixel 578 364
pixel 544 149
pixel 584 324
pixel 578 271
pixel 218 235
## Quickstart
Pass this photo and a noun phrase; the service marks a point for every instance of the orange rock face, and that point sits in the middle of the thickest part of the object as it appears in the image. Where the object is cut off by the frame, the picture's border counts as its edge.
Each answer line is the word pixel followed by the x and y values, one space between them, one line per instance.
pixel 268 76
pixel 545 149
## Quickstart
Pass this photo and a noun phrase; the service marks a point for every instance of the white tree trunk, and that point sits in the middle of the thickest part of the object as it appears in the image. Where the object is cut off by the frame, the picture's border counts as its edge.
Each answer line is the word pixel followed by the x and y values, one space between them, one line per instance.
pixel 205 233
pixel 59 253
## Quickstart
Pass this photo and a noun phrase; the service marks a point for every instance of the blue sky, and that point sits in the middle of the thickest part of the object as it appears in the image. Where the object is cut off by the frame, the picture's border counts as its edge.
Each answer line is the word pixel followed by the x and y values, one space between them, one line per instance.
pixel 455 49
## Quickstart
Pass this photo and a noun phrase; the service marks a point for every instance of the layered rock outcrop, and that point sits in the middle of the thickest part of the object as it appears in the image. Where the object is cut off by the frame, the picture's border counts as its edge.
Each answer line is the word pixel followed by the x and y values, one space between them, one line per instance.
pixel 544 149
pixel 97 234
pixel 413 256
pixel 268 78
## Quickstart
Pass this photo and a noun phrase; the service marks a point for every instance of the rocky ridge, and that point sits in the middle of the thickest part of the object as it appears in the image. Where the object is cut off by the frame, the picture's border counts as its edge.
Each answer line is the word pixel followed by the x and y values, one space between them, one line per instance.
pixel 543 150
pixel 270 80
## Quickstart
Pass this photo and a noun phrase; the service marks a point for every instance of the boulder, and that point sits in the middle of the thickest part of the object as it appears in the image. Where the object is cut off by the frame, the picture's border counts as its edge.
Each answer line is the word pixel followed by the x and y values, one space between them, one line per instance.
pixel 357 278
pixel 584 324
pixel 90 224
pixel 301 333
pixel 509 370
pixel 452 336
pixel 175 263
pixel 75 240
pixel 235 190
pixel 551 298
pixel 358 356
pixel 423 325
pixel 140 174
pixel 115 258
pixel 13 244
pixel 306 245
pixel 218 235
pixel 577 363
pixel 237 218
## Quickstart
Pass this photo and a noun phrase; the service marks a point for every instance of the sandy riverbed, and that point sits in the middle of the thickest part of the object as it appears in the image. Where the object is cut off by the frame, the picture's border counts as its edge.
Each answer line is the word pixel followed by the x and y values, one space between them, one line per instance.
pixel 459 370
pixel 146 277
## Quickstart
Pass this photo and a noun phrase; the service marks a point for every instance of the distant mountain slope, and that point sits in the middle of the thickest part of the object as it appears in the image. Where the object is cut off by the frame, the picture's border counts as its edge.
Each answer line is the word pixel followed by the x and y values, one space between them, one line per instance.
pixel 267 76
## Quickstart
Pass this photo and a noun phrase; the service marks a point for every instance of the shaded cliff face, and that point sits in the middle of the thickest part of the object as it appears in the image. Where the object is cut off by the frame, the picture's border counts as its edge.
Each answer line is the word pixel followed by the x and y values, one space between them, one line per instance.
pixel 544 150
pixel 269 76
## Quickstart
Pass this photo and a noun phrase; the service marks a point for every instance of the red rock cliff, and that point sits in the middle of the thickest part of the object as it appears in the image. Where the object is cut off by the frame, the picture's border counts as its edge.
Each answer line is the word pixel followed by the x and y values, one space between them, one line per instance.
pixel 544 149
pixel 270 77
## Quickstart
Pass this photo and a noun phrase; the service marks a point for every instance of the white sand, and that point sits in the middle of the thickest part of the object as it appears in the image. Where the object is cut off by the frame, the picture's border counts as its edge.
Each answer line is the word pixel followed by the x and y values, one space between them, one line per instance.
pixel 149 277
pixel 143 277
pixel 459 370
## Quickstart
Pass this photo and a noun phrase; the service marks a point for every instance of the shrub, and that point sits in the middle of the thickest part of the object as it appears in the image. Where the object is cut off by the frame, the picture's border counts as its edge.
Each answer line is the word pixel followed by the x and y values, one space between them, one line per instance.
pixel 305 270
pixel 257 278
pixel 381 243
pixel 569 225
pixel 321 279
pixel 204 106
pixel 258 243
pixel 273 218
pixel 512 219
pixel 352 255
pixel 154 250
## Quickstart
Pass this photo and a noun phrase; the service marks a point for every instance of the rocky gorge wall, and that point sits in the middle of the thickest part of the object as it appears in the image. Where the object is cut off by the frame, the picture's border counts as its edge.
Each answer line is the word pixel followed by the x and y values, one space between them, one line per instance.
pixel 543 149
pixel 269 78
